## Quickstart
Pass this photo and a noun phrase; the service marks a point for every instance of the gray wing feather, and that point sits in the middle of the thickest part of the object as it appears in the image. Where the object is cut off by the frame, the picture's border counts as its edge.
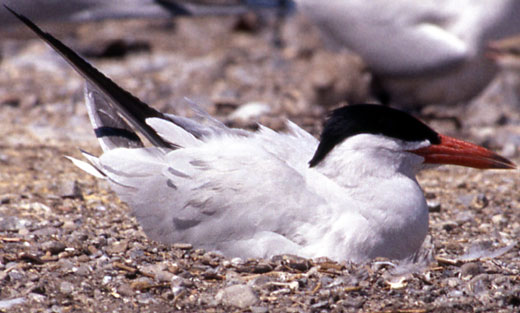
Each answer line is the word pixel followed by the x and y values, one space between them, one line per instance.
pixel 111 130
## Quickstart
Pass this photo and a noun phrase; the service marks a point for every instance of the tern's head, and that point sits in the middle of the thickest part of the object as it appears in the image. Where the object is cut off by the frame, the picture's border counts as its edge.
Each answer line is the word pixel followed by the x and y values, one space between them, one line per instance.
pixel 403 133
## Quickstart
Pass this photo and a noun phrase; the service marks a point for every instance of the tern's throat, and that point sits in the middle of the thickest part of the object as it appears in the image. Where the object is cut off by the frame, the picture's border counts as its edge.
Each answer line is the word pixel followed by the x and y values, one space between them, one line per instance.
pixel 367 160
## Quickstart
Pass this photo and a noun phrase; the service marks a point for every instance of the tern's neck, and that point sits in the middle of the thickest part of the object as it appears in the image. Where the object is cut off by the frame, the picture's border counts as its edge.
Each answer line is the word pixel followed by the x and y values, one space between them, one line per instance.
pixel 378 182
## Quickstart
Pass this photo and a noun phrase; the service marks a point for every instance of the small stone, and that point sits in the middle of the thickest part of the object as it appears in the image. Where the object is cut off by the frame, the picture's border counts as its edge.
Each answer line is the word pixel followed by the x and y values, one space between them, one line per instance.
pixel 125 290
pixel 16 275
pixel 164 276
pixel 145 298
pixel 241 296
pixel 183 246
pixel 469 270
pixel 464 217
pixel 449 226
pixel 6 304
pixel 452 282
pixel 177 285
pixel 70 189
pixel 499 219
pixel 66 287
pixel 142 283
pixel 293 261
pixel 258 309
pixel 433 206
pixel 465 199
pixel 36 297
pixel 262 267
pixel 480 201
pixel 66 265
pixel 117 247
pixel 236 261
pixel 82 270
pixel 158 271
pixel 106 279
pixel 319 305
pixel 54 247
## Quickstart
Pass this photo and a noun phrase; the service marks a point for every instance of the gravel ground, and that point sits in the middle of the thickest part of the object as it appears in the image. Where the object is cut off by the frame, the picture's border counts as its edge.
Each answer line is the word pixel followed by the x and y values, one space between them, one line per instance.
pixel 68 244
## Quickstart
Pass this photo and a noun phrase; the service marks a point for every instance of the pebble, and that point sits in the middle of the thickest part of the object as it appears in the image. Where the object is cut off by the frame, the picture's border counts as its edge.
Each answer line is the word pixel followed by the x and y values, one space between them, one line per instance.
pixel 479 284
pixel 158 271
pixel 9 303
pixel 178 284
pixel 16 275
pixel 449 225
pixel 145 298
pixel 107 279
pixel 54 247
pixel 117 247
pixel 66 265
pixel 320 304
pixel 433 206
pixel 293 261
pixel 452 282
pixel 141 283
pixel 465 199
pixel 464 217
pixel 36 297
pixel 183 246
pixel 241 296
pixel 125 290
pixel 12 223
pixel 70 189
pixel 262 267
pixel 66 287
pixel 499 219
pixel 258 309
pixel 82 270
pixel 468 270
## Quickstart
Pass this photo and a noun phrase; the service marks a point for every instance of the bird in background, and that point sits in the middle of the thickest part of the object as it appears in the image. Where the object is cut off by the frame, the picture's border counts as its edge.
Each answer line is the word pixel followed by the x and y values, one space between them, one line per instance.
pixel 352 195
pixel 422 52
pixel 76 11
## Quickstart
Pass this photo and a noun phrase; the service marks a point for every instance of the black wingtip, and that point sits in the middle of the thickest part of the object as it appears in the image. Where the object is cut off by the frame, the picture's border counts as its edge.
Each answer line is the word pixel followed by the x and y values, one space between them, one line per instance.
pixel 25 20
pixel 126 104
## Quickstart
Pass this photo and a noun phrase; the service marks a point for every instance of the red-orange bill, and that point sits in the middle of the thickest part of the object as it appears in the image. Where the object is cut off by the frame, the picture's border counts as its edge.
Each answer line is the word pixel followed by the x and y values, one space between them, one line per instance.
pixel 459 152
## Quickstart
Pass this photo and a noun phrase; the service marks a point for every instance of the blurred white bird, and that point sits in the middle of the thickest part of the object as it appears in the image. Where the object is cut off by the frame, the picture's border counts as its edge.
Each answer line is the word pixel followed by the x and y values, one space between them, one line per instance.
pixel 86 10
pixel 92 10
pixel 353 195
pixel 424 52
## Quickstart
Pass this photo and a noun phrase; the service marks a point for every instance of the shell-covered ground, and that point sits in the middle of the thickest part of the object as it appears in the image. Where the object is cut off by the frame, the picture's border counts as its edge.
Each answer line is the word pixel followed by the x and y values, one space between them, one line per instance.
pixel 67 244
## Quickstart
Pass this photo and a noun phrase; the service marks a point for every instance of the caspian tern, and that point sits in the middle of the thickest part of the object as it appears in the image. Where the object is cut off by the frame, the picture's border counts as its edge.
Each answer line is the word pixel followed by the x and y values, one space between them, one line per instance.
pixel 352 195
pixel 93 10
pixel 88 10
pixel 424 52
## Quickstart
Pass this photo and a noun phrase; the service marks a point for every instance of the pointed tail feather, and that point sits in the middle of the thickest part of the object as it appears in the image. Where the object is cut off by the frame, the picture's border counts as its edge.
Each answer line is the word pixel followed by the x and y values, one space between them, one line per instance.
pixel 130 107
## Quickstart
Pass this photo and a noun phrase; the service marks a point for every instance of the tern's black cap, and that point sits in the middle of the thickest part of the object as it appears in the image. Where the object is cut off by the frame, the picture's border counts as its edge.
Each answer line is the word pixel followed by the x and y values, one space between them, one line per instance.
pixel 370 119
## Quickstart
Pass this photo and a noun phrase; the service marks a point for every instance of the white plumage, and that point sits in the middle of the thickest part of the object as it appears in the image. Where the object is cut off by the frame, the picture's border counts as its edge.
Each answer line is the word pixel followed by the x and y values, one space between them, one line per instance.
pixel 256 196
pixel 352 195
